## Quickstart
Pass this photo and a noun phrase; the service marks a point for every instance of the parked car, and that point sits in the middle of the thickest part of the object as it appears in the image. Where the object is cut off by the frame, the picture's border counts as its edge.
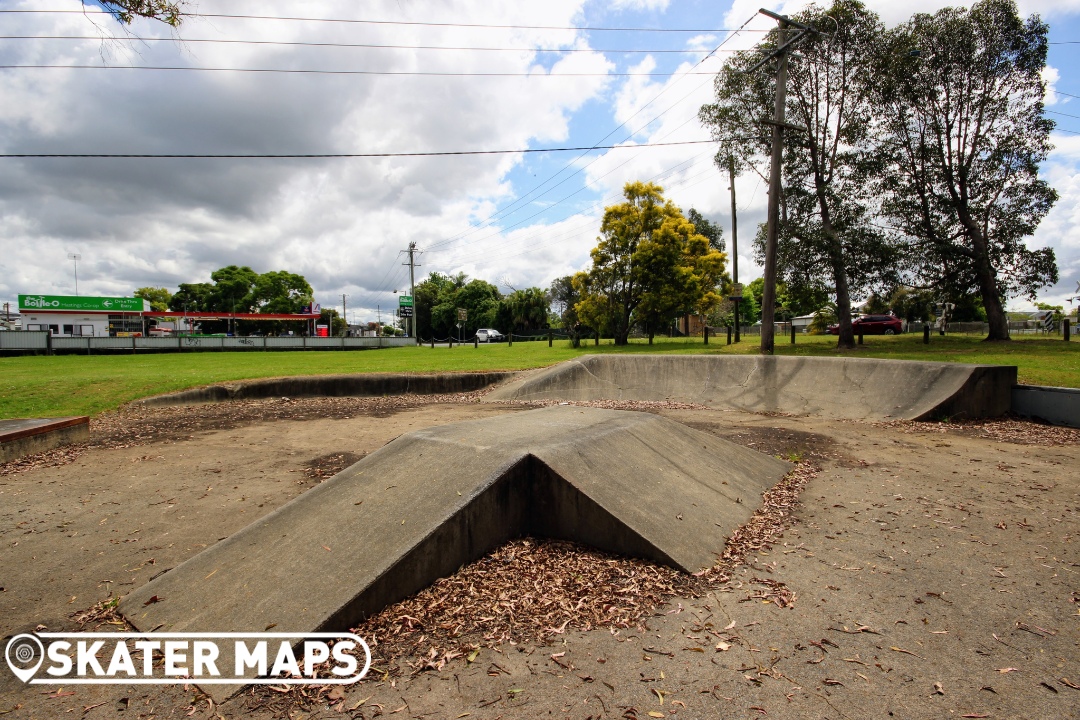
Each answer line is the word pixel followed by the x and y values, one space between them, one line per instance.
pixel 489 335
pixel 873 325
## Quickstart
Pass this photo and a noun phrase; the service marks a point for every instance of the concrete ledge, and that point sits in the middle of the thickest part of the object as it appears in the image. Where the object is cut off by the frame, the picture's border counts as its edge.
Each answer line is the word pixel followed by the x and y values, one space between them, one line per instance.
pixel 433 500
pixel 853 388
pixel 22 437
pixel 1055 405
pixel 359 385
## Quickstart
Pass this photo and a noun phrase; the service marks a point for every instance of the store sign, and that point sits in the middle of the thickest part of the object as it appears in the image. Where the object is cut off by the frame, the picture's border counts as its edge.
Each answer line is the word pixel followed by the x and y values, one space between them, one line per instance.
pixel 95 304
pixel 404 300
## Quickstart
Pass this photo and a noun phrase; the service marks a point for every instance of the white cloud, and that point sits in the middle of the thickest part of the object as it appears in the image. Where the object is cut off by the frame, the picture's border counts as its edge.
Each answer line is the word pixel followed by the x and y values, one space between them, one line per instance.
pixel 340 222
pixel 640 4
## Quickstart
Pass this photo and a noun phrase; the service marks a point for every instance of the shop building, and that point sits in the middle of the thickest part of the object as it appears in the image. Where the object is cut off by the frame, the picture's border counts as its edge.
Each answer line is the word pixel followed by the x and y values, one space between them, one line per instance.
pixel 79 316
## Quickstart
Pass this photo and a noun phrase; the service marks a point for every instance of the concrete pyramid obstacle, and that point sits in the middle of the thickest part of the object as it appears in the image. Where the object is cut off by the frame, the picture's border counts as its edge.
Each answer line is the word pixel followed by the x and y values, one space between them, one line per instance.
pixel 851 388
pixel 432 500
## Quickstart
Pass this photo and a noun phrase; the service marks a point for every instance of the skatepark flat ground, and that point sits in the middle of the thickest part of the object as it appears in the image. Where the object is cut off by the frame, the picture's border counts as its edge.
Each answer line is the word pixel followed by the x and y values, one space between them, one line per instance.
pixel 934 568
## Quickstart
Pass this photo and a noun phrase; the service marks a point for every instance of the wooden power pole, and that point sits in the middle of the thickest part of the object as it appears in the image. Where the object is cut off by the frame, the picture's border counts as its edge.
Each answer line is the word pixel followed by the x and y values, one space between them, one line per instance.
pixel 783 48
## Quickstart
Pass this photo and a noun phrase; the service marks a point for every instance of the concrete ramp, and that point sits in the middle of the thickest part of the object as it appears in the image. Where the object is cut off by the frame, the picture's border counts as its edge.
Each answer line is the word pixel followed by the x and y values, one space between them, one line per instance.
pixel 432 500
pixel 354 385
pixel 854 388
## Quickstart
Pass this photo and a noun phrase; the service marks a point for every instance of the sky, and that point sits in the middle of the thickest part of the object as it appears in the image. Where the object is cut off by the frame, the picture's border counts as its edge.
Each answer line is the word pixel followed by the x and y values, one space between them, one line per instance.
pixel 568 73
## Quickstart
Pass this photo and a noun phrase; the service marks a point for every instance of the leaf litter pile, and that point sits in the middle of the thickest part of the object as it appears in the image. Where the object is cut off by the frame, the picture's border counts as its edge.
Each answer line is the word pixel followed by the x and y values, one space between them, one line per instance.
pixel 1008 429
pixel 534 590
pixel 135 425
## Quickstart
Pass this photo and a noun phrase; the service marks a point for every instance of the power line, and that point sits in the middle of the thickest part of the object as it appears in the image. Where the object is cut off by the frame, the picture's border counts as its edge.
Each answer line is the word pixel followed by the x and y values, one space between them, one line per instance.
pixel 1055 112
pixel 595 206
pixel 184 41
pixel 502 211
pixel 396 22
pixel 1058 92
pixel 285 156
pixel 403 73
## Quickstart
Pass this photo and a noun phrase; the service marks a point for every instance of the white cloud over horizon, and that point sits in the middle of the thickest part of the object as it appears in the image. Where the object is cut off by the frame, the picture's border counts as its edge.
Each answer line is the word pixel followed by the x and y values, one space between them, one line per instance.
pixel 343 222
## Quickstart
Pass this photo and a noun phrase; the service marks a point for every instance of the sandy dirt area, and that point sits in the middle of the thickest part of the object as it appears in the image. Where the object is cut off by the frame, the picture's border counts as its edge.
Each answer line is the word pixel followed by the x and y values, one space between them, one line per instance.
pixel 935 572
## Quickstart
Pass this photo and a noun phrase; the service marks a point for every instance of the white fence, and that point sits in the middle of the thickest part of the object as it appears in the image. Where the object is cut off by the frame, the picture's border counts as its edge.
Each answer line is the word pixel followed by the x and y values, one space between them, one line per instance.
pixel 19 341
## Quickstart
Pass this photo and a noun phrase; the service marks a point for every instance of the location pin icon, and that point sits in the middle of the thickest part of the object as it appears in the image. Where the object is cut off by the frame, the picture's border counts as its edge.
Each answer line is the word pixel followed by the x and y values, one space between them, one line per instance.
pixel 24 656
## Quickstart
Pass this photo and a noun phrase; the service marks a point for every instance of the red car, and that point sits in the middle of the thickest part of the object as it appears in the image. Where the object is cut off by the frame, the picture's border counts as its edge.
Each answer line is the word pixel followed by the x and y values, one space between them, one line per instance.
pixel 873 325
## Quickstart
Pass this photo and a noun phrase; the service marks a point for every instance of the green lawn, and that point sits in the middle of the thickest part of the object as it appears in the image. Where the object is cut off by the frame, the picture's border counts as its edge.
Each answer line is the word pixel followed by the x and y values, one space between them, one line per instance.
pixel 42 386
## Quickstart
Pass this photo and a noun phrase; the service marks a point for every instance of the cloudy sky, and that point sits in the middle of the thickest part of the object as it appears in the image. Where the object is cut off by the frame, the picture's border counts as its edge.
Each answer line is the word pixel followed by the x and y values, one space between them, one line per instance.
pixel 459 75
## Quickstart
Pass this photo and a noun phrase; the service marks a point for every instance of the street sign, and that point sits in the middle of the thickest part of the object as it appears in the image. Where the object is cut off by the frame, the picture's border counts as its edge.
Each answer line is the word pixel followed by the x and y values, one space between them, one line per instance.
pixel 404 301
pixel 462 315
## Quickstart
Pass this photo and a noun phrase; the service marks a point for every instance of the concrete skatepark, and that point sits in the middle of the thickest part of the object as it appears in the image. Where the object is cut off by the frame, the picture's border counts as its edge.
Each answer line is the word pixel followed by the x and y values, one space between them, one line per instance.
pixel 910 530
pixel 434 500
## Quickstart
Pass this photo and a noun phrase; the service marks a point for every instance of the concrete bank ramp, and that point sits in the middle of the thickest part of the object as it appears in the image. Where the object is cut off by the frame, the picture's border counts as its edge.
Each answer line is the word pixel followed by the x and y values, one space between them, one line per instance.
pixel 432 500
pixel 855 388
pixel 353 385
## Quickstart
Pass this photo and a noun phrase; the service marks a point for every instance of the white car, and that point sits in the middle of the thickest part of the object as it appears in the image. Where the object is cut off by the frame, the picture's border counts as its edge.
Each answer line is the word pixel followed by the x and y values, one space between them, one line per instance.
pixel 488 335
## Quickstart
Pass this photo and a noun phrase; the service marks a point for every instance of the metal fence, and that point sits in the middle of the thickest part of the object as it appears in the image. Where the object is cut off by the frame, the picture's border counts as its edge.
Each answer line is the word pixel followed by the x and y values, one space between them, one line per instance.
pixel 25 341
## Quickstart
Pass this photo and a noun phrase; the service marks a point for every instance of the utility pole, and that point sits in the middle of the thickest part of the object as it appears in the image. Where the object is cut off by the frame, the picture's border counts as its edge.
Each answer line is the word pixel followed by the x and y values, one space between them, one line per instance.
pixel 734 241
pixel 783 47
pixel 412 288
pixel 378 323
pixel 768 294
pixel 343 316
pixel 76 257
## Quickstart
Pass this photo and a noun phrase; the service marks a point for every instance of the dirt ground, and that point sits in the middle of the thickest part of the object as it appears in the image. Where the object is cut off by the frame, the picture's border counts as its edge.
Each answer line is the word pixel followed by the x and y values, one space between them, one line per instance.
pixel 935 571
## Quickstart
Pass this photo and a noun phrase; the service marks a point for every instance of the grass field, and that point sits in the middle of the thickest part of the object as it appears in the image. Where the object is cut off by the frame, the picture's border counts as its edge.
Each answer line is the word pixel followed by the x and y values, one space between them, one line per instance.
pixel 44 386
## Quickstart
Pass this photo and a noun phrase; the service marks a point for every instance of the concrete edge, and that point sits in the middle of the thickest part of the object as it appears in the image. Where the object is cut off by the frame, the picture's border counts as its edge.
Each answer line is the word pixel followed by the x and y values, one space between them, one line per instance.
pixel 1054 405
pixel 355 385
pixel 48 437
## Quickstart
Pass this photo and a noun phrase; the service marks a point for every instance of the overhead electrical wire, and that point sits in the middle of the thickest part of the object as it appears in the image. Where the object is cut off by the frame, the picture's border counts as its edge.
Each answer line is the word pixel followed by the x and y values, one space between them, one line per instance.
pixel 393 22
pixel 612 132
pixel 595 147
pixel 367 46
pixel 504 229
pixel 381 73
pixel 683 184
pixel 285 156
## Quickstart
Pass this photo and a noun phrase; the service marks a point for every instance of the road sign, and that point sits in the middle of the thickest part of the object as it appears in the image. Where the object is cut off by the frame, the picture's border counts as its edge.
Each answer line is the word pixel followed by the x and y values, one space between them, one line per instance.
pixel 404 301
pixel 462 315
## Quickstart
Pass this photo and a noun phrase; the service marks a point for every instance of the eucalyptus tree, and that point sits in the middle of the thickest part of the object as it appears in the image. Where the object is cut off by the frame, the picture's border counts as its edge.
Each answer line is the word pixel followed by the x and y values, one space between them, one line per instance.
pixel 827 235
pixel 170 12
pixel 960 95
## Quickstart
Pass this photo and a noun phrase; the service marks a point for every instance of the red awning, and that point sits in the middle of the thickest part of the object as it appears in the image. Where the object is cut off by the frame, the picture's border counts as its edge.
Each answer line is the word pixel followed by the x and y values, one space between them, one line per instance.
pixel 227 316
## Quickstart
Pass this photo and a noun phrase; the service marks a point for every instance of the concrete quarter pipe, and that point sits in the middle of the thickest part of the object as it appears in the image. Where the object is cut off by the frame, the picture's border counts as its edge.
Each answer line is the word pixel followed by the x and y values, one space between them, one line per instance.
pixel 852 388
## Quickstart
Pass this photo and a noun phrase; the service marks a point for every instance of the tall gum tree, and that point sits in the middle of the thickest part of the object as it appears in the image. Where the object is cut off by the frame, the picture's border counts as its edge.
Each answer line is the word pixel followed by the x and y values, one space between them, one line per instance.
pixel 827 237
pixel 962 132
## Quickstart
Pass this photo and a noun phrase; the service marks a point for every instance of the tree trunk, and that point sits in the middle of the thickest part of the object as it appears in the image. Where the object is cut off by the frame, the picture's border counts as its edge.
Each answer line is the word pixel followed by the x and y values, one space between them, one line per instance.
pixel 996 318
pixel 622 337
pixel 846 337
